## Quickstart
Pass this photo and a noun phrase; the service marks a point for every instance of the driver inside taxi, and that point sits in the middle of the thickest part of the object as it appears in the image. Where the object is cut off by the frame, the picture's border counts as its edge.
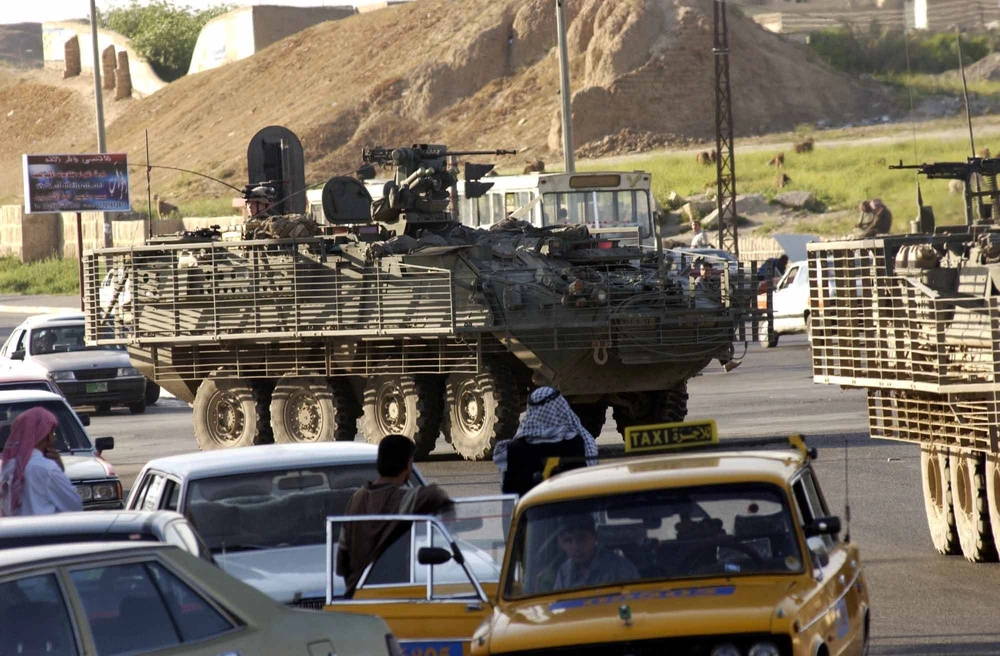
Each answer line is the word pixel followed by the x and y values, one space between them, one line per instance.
pixel 43 342
pixel 588 565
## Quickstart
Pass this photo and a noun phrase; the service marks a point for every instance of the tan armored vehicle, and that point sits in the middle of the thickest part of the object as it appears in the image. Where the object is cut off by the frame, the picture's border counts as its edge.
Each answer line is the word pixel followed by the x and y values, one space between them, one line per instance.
pixel 913 319
pixel 407 320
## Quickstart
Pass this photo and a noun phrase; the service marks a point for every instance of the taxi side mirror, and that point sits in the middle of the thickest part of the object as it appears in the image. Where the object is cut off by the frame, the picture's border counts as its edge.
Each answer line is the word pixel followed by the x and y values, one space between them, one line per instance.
pixel 823 526
pixel 433 555
pixel 17 355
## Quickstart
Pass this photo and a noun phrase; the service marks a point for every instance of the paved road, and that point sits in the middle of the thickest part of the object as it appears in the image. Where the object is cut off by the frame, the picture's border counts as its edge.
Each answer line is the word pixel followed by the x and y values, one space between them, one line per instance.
pixel 923 604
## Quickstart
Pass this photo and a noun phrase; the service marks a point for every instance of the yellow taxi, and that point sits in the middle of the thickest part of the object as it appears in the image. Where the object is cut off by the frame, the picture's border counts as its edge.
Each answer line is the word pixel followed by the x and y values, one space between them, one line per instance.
pixel 711 551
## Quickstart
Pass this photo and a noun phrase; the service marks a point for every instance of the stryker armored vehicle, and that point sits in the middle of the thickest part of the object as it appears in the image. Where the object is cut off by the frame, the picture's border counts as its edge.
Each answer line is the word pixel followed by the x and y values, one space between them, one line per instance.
pixel 401 317
pixel 913 319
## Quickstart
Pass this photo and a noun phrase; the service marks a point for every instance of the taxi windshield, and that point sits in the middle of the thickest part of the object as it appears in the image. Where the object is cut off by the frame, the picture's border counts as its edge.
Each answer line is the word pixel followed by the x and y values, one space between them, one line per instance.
pixel 69 434
pixel 654 535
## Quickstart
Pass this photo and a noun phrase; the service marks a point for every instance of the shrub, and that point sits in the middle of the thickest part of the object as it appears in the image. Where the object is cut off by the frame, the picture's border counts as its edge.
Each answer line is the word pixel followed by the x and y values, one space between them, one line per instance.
pixel 880 50
pixel 161 32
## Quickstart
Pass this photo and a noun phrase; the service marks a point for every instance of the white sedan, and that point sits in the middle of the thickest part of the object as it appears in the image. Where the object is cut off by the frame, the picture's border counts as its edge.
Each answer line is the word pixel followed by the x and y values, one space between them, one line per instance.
pixel 262 510
pixel 790 301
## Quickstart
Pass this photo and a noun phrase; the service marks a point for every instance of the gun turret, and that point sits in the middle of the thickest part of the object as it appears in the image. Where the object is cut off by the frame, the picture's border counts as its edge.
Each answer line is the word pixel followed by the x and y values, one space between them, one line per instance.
pixel 982 198
pixel 418 194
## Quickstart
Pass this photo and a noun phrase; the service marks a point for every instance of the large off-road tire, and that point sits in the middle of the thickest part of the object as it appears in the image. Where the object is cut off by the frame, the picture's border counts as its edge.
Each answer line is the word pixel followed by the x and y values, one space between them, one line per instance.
pixel 407 405
pixel 993 493
pixel 592 416
pixel 968 498
pixel 152 393
pixel 658 407
pixel 482 409
pixel 935 478
pixel 313 410
pixel 229 413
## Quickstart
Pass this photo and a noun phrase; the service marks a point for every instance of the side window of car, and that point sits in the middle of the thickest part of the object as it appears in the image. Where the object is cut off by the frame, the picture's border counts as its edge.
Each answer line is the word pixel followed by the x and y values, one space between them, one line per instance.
pixel 171 494
pixel 812 506
pixel 150 493
pixel 118 599
pixel 16 344
pixel 34 619
pixel 790 278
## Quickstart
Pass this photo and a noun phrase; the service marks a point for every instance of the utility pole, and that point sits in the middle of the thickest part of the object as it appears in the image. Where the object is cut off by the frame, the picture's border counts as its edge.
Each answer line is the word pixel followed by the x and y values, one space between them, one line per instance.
pixel 725 161
pixel 567 116
pixel 98 99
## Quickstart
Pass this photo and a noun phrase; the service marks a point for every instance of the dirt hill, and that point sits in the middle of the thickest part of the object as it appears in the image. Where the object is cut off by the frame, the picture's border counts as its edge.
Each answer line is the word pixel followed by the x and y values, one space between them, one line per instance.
pixel 484 75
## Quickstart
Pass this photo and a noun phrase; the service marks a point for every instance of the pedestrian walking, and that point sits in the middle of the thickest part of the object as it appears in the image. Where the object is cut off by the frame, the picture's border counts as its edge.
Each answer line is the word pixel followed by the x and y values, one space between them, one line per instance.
pixel 549 428
pixel 699 239
pixel 32 476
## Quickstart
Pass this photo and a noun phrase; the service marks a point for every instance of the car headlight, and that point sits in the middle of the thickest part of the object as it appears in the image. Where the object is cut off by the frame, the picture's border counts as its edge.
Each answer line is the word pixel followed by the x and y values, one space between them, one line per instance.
pixel 726 649
pixel 109 492
pixel 128 371
pixel 764 649
pixel 85 491
pixel 392 645
pixel 62 375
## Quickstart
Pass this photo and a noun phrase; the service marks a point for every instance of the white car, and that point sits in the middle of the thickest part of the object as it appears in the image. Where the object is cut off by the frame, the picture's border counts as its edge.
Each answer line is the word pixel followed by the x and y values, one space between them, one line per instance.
pixel 93 476
pixel 262 510
pixel 790 301
pixel 52 345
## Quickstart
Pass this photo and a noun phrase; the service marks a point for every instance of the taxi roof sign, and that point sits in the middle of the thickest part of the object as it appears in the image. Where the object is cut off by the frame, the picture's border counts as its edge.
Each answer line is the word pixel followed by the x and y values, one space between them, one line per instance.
pixel 654 438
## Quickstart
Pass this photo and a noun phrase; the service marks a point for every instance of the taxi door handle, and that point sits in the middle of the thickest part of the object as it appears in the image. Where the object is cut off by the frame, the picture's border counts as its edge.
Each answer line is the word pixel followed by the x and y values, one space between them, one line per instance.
pixel 473 607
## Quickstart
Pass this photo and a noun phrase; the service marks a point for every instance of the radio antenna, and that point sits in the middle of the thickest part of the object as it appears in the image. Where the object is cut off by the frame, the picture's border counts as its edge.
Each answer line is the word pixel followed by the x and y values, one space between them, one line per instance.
pixel 965 89
pixel 847 497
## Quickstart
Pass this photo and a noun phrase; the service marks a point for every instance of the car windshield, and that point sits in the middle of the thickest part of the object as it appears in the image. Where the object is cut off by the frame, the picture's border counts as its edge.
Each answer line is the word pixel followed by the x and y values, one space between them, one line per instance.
pixel 277 508
pixel 657 535
pixel 69 434
pixel 40 386
pixel 60 339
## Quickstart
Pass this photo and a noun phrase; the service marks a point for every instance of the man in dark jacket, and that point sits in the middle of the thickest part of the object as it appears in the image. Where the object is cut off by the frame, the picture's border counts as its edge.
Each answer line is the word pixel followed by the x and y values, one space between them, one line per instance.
pixel 361 543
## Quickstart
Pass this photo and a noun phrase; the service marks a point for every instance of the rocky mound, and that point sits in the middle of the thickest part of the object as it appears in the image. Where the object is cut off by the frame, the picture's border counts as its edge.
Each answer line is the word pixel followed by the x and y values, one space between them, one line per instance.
pixel 483 73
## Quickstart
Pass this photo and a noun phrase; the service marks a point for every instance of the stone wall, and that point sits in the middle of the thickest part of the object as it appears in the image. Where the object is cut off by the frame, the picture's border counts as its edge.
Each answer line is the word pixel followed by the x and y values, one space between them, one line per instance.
pixel 29 237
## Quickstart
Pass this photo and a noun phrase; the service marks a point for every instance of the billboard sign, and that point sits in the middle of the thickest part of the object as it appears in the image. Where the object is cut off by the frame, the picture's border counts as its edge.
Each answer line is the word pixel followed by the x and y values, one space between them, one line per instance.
pixel 76 183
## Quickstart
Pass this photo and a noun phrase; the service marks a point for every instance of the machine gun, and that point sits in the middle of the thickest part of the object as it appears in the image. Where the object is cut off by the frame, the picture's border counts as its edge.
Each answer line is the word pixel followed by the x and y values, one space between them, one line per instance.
pixel 418 194
pixel 982 198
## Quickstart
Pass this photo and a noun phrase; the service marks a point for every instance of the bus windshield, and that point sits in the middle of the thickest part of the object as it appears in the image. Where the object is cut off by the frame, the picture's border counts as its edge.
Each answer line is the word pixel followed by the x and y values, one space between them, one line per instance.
pixel 623 208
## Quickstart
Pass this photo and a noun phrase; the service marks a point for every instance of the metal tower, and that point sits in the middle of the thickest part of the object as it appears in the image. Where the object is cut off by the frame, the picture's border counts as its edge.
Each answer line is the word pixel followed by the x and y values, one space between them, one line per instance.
pixel 725 161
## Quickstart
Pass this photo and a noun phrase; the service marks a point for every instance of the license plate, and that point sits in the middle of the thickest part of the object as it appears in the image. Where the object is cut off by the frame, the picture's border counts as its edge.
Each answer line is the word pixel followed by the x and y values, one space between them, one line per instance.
pixel 94 388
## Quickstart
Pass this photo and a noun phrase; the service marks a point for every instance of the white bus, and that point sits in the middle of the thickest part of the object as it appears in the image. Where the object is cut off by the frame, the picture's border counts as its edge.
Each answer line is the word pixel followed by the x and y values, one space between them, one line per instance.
pixel 617 203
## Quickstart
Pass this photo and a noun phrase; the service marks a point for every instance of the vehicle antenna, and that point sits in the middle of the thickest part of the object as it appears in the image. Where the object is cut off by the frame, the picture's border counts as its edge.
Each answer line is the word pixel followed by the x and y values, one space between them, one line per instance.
pixel 965 89
pixel 176 168
pixel 847 497
pixel 149 197
pixel 909 92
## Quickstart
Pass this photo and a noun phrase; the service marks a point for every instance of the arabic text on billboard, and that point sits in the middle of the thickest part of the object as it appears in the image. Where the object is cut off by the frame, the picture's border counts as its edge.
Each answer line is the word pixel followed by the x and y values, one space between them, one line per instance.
pixel 76 183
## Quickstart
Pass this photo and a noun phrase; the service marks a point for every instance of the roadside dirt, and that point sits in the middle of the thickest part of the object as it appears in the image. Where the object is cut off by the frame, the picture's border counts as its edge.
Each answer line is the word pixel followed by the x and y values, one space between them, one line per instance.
pixel 484 76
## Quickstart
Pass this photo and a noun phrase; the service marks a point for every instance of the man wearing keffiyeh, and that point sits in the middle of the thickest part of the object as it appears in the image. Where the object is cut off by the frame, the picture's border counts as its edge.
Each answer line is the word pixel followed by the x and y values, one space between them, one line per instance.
pixel 548 419
pixel 32 481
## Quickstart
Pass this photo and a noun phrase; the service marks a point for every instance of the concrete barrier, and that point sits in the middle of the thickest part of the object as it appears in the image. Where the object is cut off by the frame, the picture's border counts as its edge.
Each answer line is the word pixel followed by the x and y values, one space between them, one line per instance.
pixel 29 237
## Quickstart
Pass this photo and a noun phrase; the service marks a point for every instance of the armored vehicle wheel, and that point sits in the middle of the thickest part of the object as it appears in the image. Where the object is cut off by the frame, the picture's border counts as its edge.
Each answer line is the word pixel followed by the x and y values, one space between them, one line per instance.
pixel 657 407
pixel 993 493
pixel 313 410
pixel 228 413
pixel 152 394
pixel 481 409
pixel 408 405
pixel 968 497
pixel 935 478
pixel 592 416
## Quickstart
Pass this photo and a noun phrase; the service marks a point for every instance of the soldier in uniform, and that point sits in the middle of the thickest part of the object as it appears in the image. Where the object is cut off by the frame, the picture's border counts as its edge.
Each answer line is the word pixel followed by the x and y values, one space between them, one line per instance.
pixel 876 219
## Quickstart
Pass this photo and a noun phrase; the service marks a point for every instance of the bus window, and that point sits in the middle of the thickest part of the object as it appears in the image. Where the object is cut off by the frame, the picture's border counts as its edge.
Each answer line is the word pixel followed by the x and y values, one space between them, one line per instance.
pixel 496 208
pixel 482 213
pixel 604 211
pixel 626 208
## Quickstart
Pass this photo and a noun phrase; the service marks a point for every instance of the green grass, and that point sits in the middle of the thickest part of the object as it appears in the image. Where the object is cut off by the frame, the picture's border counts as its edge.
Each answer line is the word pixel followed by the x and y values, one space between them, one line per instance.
pixel 53 276
pixel 924 85
pixel 839 176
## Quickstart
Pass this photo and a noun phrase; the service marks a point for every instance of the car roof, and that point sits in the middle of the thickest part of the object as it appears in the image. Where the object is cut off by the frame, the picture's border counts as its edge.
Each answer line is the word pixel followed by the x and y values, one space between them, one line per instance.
pixel 20 556
pixel 107 521
pixel 263 457
pixel 18 396
pixel 55 319
pixel 669 471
